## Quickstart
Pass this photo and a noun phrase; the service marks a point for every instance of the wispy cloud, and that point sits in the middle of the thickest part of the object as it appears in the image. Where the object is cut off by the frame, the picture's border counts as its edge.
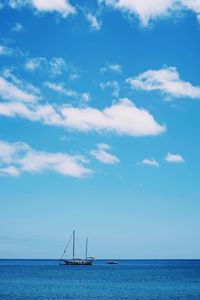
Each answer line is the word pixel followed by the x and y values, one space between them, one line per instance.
pixel 149 162
pixel 33 64
pixel 174 158
pixel 116 68
pixel 9 171
pixel 122 118
pixel 17 158
pixel 113 85
pixel 5 51
pixel 74 76
pixel 102 154
pixel 18 27
pixel 22 84
pixel 192 5
pixel 167 81
pixel 95 24
pixel 56 65
pixel 15 92
pixel 60 88
pixel 62 7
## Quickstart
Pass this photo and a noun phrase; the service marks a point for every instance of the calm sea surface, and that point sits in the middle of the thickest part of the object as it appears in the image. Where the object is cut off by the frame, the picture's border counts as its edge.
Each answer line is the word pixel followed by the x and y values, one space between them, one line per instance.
pixel 130 279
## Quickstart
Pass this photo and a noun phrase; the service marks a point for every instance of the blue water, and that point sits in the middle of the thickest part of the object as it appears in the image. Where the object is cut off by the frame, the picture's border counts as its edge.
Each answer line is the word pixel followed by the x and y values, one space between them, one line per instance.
pixel 130 279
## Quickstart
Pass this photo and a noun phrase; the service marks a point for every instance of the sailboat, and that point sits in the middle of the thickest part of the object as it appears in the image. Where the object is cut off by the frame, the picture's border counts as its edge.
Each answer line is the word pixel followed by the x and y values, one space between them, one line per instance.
pixel 87 261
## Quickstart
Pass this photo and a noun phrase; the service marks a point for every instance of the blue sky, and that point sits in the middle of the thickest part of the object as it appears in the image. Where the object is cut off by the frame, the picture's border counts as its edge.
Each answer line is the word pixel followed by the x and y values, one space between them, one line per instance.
pixel 99 127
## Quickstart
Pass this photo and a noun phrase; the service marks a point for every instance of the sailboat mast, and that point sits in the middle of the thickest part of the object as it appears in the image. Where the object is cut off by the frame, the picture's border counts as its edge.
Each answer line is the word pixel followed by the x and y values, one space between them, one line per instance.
pixel 86 248
pixel 73 244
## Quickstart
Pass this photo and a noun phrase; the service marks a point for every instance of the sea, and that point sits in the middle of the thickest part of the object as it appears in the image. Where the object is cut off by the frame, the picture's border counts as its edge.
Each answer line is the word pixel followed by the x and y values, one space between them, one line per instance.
pixel 129 279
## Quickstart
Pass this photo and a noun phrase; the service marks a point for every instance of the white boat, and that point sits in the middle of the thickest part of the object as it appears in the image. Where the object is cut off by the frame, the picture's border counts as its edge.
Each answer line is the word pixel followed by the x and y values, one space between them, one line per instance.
pixel 87 261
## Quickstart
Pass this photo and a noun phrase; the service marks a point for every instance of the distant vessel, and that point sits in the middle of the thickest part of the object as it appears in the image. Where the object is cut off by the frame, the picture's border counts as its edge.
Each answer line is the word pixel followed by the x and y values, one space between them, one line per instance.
pixel 111 262
pixel 87 261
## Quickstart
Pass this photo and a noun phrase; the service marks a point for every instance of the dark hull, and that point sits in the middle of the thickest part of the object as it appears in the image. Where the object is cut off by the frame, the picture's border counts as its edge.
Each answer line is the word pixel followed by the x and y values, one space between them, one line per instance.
pixel 78 262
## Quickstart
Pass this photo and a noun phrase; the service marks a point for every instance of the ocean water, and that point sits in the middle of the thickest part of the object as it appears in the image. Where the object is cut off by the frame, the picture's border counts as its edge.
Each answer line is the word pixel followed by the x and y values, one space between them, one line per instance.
pixel 130 279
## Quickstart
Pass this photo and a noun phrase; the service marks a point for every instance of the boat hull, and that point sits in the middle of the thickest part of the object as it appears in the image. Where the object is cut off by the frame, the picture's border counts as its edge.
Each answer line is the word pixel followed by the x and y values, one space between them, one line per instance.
pixel 78 262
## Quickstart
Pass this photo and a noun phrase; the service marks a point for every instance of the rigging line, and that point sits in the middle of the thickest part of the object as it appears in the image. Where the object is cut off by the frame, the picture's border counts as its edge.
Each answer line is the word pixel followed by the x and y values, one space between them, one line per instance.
pixel 66 247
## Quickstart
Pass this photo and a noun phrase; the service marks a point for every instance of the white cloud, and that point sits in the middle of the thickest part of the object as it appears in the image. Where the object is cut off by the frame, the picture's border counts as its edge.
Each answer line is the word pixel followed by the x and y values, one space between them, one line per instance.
pixel 122 118
pixel 116 68
pixel 148 10
pixel 174 158
pixel 55 66
pixel 95 24
pixel 17 158
pixel 18 27
pixel 5 51
pixel 167 81
pixel 149 162
pixel 102 154
pixel 111 84
pixel 63 7
pixel 10 91
pixel 60 88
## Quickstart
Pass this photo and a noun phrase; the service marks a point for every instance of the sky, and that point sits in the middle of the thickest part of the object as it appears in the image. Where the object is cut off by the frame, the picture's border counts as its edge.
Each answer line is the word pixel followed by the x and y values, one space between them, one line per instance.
pixel 99 128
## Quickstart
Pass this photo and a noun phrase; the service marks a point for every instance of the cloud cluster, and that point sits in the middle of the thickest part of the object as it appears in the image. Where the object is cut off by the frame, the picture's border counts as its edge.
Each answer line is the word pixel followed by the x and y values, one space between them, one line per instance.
pixel 122 118
pixel 148 10
pixel 145 10
pixel 102 154
pixel 17 158
pixel 167 81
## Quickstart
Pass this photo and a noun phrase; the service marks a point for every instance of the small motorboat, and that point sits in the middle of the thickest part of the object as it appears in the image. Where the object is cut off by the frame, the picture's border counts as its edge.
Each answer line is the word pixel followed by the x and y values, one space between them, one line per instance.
pixel 111 262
